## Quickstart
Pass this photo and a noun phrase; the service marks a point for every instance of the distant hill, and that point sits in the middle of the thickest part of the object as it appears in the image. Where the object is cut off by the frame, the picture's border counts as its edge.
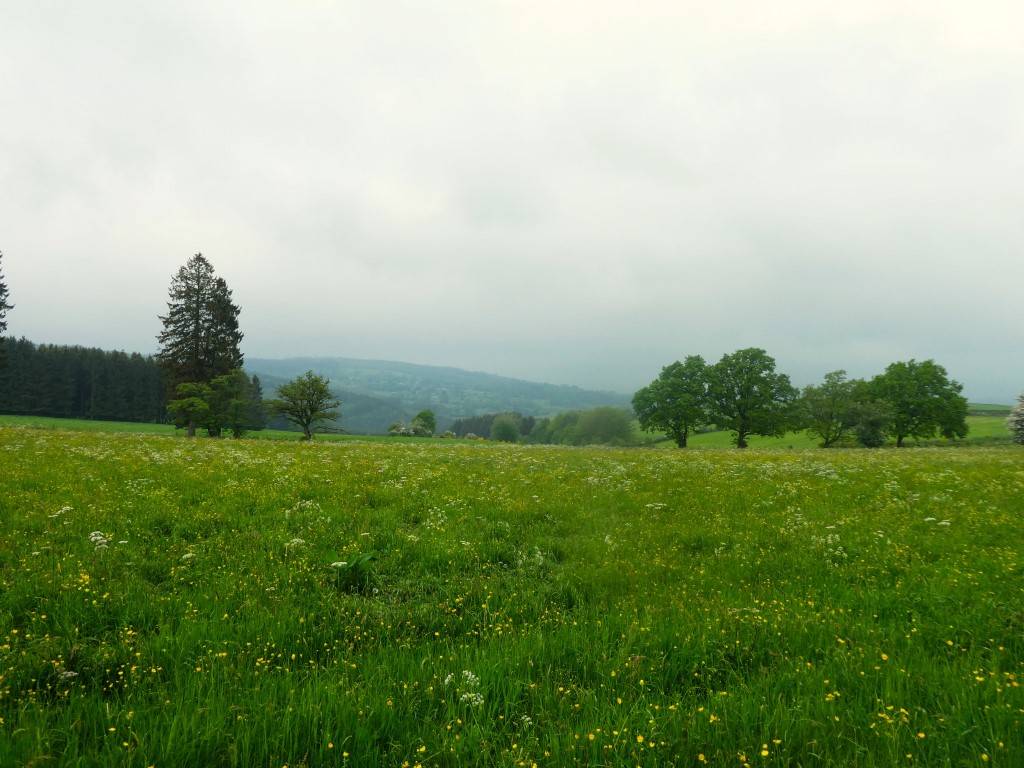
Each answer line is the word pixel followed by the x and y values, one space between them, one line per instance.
pixel 376 393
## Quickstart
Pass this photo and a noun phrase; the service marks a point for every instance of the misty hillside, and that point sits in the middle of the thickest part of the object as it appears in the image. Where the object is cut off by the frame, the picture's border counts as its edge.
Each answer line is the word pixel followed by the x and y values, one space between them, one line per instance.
pixel 376 393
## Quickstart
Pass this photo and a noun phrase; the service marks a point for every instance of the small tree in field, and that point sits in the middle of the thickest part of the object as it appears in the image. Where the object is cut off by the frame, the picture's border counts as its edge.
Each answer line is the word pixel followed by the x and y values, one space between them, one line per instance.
pixel 1015 421
pixel 305 402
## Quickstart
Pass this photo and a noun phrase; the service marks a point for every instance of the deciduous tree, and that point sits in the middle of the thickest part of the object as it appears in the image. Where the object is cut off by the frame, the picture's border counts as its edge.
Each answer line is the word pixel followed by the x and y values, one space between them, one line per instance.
pixel 426 422
pixel 504 430
pixel 190 407
pixel 831 410
pixel 306 402
pixel 748 397
pixel 677 401
pixel 922 400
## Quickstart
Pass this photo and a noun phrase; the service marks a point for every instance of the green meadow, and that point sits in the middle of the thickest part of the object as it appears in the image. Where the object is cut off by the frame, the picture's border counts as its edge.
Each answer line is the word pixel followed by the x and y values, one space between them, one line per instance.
pixel 174 602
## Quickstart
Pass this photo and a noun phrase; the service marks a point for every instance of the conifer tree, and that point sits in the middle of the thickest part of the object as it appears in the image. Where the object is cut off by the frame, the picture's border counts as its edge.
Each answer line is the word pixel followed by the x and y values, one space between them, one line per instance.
pixel 200 338
pixel 4 306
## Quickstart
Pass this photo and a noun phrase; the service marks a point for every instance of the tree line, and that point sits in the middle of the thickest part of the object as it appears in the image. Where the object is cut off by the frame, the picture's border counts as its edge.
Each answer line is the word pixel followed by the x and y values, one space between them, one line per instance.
pixel 604 425
pixel 744 394
pixel 80 383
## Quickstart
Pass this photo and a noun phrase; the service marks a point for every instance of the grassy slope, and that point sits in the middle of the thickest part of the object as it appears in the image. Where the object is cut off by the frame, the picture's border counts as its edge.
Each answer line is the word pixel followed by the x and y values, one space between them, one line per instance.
pixel 611 607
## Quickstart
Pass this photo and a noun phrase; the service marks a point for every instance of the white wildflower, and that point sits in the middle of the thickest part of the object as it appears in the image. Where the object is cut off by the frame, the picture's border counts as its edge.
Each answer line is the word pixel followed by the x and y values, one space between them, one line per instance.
pixel 99 539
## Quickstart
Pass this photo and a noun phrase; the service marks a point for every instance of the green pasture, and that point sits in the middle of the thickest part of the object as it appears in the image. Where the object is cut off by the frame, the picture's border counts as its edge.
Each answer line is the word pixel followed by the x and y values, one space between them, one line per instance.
pixel 982 429
pixel 174 602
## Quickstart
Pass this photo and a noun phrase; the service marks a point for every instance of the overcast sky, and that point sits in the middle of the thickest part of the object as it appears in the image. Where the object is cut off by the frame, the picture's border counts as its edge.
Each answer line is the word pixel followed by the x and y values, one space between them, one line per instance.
pixel 570 192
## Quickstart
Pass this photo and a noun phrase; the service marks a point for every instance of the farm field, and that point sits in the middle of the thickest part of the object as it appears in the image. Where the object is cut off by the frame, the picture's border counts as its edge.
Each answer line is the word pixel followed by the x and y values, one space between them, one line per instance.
pixel 176 602
pixel 983 428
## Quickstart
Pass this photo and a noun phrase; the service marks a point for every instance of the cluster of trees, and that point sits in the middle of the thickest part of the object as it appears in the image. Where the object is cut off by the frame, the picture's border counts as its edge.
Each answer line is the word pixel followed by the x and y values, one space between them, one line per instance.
pixel 202 362
pixel 482 425
pixel 200 355
pixel 605 425
pixel 79 383
pixel 744 394
pixel 232 402
pixel 423 424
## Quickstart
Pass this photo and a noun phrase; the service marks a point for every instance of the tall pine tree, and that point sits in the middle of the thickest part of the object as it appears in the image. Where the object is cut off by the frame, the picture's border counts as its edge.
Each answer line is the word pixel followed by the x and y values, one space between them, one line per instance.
pixel 200 337
pixel 4 306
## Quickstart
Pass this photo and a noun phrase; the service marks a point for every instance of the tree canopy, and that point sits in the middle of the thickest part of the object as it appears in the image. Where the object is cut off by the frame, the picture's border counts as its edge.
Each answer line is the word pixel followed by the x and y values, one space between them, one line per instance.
pixel 677 401
pixel 748 397
pixel 922 400
pixel 832 410
pixel 306 402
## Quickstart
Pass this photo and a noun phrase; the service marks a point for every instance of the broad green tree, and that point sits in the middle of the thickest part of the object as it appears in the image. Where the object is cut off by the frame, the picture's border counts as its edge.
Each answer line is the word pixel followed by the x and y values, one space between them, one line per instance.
pixel 748 397
pixel 306 402
pixel 191 406
pixel 922 401
pixel 676 402
pixel 4 306
pixel 1015 421
pixel 504 429
pixel 230 404
pixel 831 410
pixel 200 338
pixel 426 422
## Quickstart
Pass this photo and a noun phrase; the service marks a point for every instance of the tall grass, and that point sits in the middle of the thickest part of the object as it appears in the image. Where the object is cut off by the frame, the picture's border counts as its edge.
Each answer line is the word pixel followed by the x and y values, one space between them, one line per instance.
pixel 192 603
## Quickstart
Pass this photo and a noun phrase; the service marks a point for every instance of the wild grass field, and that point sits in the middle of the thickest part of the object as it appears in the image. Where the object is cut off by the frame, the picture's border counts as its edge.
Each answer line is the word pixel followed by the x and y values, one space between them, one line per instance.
pixel 176 602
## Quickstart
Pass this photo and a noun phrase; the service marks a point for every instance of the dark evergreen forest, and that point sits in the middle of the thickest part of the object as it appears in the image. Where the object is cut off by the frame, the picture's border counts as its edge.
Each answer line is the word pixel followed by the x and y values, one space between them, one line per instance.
pixel 80 383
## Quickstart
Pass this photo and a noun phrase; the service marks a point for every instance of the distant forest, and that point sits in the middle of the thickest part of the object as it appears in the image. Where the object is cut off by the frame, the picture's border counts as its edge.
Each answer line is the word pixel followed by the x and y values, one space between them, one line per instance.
pixel 80 383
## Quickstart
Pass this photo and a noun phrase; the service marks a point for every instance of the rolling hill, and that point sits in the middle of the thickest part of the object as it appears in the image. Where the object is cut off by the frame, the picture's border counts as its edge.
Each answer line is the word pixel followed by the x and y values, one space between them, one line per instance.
pixel 376 393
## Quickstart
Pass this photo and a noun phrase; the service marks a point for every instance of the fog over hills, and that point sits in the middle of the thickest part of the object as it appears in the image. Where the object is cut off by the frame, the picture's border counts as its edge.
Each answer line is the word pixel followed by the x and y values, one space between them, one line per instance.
pixel 376 393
